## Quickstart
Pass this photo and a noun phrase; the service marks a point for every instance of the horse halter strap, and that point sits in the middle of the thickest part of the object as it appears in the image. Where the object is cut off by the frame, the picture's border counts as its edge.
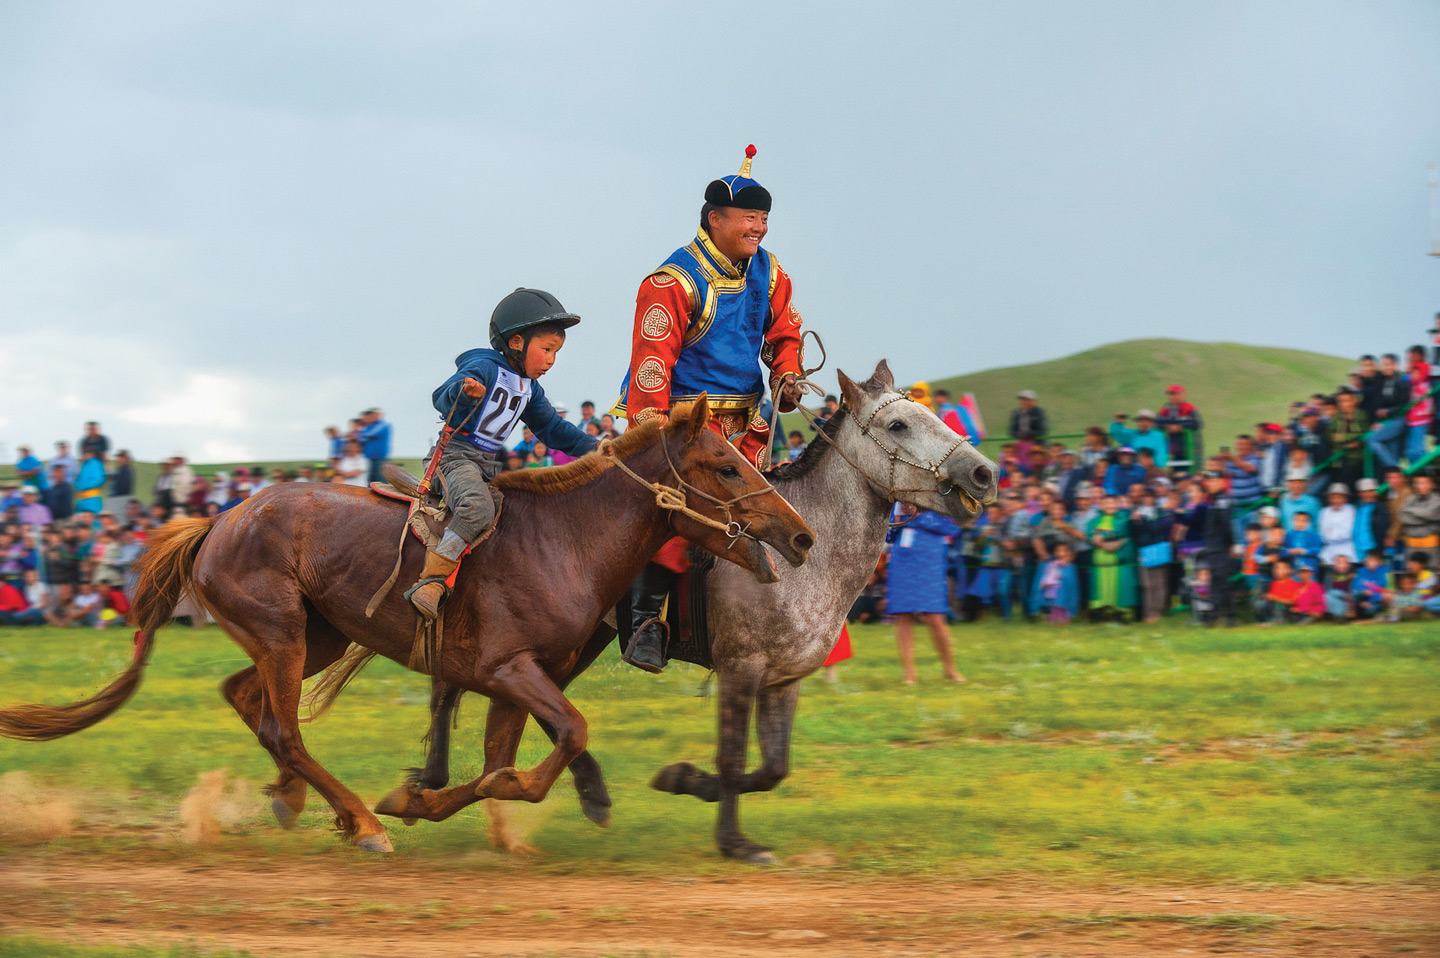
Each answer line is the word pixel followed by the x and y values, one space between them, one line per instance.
pixel 942 485
pixel 674 499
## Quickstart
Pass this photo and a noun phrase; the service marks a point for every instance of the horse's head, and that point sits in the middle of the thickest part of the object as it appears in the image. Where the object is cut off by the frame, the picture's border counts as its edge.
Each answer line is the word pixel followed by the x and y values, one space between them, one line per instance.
pixel 723 487
pixel 908 454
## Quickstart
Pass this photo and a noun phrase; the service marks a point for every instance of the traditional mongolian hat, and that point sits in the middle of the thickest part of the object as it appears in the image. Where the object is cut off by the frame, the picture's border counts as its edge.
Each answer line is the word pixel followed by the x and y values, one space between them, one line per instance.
pixel 739 190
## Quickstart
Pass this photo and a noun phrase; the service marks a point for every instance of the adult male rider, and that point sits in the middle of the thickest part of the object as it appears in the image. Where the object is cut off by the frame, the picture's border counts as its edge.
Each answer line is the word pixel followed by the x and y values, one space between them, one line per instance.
pixel 704 321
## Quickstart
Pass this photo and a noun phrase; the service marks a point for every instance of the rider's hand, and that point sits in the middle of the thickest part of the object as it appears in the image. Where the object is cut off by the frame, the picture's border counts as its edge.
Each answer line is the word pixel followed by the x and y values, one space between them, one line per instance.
pixel 789 390
pixel 473 388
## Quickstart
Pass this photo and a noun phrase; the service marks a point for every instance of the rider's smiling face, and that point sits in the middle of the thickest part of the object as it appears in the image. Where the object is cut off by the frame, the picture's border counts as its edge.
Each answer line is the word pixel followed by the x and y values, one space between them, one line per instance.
pixel 737 233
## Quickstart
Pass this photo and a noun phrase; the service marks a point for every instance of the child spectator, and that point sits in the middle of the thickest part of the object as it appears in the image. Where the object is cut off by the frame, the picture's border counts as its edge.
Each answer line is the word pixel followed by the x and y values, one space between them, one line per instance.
pixel 1202 605
pixel 795 445
pixel 991 583
pixel 1251 566
pixel 84 608
pixel 1280 599
pixel 1340 589
pixel 115 605
pixel 14 609
pixel 1310 600
pixel 1059 587
pixel 1403 602
pixel 1371 582
pixel 1302 543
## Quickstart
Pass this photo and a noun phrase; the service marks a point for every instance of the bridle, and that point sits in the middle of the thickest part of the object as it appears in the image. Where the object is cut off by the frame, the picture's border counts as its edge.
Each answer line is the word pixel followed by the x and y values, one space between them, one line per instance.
pixel 895 455
pixel 675 498
pixel 943 487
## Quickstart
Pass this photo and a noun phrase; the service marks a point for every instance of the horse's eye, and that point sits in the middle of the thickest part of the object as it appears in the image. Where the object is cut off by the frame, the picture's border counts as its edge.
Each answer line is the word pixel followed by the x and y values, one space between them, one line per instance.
pixel 730 472
pixel 897 426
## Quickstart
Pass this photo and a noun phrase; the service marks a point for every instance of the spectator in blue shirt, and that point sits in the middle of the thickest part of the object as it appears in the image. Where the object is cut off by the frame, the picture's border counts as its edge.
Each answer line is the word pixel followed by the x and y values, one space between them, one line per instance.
pixel 1125 473
pixel 1143 436
pixel 1303 544
pixel 30 469
pixel 1296 499
pixel 374 439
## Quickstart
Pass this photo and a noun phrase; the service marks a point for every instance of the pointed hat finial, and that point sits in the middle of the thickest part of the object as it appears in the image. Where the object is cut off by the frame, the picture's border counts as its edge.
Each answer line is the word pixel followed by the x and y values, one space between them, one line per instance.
pixel 749 155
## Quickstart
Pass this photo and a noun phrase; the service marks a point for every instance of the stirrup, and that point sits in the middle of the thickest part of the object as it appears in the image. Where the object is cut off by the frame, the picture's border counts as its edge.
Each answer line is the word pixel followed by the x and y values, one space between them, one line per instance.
pixel 628 655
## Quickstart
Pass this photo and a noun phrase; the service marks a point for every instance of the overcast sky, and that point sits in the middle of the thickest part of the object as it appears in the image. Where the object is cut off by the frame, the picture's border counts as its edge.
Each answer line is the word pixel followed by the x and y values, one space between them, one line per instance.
pixel 225 225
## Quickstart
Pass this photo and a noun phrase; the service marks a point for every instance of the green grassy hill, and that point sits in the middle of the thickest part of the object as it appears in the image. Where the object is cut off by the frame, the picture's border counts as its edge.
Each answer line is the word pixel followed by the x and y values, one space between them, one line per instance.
pixel 1234 386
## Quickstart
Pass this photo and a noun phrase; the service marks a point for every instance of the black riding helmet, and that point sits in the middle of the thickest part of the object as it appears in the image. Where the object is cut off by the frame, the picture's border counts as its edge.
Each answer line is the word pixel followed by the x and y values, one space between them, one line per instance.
pixel 524 310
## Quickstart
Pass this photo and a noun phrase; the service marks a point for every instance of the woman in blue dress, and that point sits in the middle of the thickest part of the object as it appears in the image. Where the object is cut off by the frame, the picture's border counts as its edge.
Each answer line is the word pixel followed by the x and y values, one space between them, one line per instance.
pixel 919 587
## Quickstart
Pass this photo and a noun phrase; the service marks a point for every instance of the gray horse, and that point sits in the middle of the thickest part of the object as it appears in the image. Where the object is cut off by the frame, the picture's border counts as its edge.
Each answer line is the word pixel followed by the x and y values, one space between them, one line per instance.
pixel 879 449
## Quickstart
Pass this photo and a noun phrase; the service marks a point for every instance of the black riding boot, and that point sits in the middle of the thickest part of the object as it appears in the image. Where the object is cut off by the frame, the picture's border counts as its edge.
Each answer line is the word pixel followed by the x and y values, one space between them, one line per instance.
pixel 647 598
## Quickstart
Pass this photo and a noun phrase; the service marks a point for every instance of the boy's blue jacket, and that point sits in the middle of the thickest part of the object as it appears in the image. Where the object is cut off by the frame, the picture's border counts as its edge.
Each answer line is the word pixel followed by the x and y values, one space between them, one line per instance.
pixel 483 365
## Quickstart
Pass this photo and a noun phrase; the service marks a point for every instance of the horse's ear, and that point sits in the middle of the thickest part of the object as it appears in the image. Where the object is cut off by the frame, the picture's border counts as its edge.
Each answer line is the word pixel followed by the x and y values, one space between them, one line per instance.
pixel 882 380
pixel 853 395
pixel 696 417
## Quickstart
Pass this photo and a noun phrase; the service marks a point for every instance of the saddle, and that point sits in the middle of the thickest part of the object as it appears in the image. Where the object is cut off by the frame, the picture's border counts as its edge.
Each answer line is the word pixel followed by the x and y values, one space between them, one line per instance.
pixel 428 520
pixel 686 613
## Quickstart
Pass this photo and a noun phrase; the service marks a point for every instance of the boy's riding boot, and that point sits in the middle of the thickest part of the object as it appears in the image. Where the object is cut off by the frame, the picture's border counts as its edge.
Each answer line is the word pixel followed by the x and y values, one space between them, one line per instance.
pixel 647 598
pixel 427 594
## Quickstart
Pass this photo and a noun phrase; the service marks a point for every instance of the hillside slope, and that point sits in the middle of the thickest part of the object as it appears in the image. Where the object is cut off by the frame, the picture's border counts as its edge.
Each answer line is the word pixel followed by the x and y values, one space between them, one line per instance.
pixel 1233 385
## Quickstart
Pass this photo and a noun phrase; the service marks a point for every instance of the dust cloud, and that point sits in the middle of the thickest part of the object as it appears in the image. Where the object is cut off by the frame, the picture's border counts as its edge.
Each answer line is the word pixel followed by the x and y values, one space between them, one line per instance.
pixel 214 803
pixel 32 813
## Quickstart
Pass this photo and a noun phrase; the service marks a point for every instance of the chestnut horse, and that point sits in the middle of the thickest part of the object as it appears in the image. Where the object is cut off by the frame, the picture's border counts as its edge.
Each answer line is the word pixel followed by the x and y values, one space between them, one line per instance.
pixel 288 572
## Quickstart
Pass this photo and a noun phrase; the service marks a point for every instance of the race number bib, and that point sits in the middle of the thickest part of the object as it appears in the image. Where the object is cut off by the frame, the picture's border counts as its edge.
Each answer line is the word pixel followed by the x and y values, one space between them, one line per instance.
pixel 502 407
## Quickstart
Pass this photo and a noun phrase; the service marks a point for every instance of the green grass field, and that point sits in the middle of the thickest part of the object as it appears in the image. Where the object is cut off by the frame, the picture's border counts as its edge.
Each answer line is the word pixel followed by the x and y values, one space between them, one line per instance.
pixel 1171 753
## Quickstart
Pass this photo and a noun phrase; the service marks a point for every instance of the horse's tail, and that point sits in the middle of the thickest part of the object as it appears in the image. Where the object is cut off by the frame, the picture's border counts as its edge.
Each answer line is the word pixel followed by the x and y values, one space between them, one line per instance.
pixel 332 682
pixel 165 570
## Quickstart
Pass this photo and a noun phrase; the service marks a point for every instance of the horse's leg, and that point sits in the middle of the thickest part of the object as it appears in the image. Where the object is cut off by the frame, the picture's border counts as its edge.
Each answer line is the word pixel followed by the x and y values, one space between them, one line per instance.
pixel 246 696
pixel 522 682
pixel 274 636
pixel 443 701
pixel 504 727
pixel 245 693
pixel 774 719
pixel 589 779
pixel 737 698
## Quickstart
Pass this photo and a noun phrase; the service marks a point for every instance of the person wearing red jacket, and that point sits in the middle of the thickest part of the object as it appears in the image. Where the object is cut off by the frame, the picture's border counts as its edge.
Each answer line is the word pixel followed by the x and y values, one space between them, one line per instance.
pixel 705 320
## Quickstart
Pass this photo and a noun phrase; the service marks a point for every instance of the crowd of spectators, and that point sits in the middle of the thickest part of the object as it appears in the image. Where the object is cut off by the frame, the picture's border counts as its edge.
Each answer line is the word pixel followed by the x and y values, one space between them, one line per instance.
pixel 1303 519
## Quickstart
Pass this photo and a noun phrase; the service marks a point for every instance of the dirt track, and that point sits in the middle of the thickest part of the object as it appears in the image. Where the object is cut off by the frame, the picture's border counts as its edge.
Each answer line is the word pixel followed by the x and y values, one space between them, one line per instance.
pixel 388 908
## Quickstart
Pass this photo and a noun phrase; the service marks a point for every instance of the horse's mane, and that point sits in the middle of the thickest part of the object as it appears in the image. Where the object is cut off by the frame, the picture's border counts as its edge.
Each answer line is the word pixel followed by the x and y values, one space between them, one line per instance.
pixel 817 450
pixel 555 480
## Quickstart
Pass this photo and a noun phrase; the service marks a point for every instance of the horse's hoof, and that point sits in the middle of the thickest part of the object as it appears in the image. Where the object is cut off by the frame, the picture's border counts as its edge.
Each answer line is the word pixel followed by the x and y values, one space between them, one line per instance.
pixel 397 803
pixel 672 778
pixel 751 854
pixel 494 784
pixel 599 814
pixel 378 842
pixel 284 814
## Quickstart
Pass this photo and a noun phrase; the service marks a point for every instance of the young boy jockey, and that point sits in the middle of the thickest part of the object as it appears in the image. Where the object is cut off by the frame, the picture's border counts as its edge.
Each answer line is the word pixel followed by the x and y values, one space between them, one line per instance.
pixel 491 391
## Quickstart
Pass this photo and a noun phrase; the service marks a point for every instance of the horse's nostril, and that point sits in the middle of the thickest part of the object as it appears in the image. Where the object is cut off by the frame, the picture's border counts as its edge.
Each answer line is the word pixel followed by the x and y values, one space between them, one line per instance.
pixel 803 542
pixel 982 475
